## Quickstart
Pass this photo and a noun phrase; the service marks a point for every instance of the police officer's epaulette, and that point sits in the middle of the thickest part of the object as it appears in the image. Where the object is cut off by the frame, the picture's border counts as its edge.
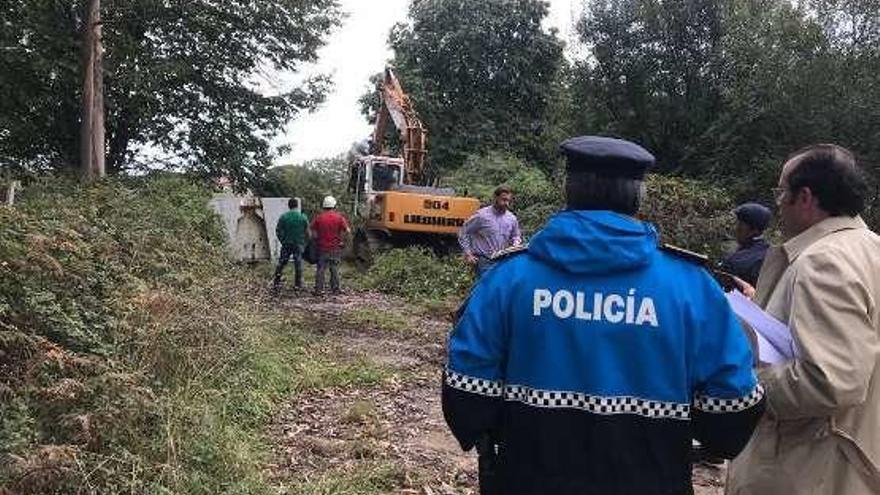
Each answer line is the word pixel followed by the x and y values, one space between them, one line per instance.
pixel 696 258
pixel 507 252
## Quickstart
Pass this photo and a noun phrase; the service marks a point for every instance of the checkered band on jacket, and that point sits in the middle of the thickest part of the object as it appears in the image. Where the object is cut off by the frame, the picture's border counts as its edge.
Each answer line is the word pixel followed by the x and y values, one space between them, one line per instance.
pixel 597 404
pixel 717 405
pixel 473 385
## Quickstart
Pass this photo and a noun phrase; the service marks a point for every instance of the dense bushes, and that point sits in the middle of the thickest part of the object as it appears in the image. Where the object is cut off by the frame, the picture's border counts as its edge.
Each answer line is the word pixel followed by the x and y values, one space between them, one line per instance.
pixel 310 182
pixel 415 273
pixel 126 363
pixel 536 196
pixel 688 213
pixel 73 256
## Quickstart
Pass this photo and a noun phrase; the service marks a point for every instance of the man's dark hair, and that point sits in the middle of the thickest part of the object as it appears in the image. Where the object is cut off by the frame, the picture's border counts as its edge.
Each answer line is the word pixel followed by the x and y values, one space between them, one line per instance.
pixel 292 203
pixel 502 190
pixel 831 173
pixel 590 191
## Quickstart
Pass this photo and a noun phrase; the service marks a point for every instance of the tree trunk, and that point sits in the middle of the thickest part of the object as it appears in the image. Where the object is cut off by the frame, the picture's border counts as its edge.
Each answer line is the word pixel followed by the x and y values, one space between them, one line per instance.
pixel 92 124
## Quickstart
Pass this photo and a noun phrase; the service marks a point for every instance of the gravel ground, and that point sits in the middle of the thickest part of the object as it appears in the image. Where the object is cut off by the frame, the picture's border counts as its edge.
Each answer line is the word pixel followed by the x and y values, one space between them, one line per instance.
pixel 397 423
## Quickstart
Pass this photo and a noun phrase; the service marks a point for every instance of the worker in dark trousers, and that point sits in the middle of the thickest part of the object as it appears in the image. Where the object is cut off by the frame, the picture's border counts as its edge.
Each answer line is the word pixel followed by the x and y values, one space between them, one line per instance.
pixel 292 231
pixel 329 229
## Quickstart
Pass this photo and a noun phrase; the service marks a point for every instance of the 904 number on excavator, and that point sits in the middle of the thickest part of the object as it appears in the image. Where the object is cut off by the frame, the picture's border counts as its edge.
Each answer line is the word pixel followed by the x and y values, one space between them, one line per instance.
pixel 436 205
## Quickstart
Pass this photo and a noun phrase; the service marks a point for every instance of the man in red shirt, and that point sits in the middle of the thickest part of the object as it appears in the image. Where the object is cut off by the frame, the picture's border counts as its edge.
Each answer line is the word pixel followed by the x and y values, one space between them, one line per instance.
pixel 328 229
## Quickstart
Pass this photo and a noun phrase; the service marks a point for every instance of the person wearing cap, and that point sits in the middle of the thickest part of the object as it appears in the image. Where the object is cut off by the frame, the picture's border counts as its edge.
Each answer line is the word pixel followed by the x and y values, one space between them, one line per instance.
pixel 587 361
pixel 491 229
pixel 329 229
pixel 751 221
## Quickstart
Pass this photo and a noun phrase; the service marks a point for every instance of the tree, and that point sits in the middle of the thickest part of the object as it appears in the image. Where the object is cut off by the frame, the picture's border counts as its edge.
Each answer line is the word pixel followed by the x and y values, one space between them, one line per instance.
pixel 310 181
pixel 852 72
pixel 91 129
pixel 180 76
pixel 726 90
pixel 482 75
pixel 654 72
pixel 792 79
pixel 772 51
pixel 39 106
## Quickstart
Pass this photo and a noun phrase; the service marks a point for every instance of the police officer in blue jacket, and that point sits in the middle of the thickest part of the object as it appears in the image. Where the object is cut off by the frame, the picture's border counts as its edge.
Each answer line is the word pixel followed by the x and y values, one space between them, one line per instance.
pixel 592 357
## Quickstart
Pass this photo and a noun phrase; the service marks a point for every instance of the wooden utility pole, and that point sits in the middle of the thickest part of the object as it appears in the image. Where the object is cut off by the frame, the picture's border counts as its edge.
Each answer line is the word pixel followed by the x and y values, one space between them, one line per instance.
pixel 92 126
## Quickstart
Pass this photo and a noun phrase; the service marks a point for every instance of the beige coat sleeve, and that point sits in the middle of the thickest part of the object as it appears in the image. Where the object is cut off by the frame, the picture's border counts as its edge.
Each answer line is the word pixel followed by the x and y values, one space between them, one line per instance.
pixel 837 346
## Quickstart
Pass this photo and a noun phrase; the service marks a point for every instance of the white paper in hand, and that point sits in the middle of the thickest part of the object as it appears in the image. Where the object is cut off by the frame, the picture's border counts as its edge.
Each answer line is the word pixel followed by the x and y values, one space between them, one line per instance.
pixel 775 344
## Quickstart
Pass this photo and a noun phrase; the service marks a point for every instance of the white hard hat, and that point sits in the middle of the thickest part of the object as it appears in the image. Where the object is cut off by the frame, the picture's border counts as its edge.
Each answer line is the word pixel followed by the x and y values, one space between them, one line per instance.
pixel 329 202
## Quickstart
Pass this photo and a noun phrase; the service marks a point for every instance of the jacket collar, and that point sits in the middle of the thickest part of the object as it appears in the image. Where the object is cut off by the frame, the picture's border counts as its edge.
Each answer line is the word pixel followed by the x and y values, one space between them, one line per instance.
pixel 797 244
pixel 780 257
pixel 754 241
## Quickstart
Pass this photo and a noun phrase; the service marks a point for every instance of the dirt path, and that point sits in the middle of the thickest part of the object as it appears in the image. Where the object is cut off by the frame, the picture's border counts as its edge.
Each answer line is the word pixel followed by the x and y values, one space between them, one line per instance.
pixel 387 437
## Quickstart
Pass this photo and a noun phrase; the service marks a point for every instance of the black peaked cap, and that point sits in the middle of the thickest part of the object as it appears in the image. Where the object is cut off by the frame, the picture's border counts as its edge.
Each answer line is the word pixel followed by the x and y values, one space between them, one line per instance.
pixel 606 156
pixel 756 215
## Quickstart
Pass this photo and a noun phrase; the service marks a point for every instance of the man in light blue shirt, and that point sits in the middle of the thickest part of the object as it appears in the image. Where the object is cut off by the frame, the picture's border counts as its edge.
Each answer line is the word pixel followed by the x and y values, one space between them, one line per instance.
pixel 490 230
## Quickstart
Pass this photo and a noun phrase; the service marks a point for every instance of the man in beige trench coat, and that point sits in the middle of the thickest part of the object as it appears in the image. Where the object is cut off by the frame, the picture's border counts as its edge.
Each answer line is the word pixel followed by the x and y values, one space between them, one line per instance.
pixel 821 431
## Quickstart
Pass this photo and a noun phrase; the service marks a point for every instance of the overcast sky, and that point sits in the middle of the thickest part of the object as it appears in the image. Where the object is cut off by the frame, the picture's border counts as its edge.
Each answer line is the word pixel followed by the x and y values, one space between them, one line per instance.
pixel 354 52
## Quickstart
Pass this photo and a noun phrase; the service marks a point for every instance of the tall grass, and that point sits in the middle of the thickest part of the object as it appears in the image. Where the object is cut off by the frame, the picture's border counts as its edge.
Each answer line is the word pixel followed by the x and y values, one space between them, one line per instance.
pixel 134 357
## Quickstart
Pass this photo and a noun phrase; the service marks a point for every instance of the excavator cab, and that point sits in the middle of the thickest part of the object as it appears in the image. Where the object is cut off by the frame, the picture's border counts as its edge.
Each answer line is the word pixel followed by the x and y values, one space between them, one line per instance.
pixel 370 175
pixel 385 176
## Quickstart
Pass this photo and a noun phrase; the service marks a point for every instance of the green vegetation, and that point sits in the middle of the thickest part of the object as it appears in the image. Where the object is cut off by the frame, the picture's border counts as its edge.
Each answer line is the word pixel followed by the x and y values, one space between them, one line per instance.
pixel 181 77
pixel 501 93
pixel 328 371
pixel 135 357
pixel 727 89
pixel 310 182
pixel 416 274
pixel 371 479
pixel 720 91
pixel 380 319
pixel 689 213
pixel 536 195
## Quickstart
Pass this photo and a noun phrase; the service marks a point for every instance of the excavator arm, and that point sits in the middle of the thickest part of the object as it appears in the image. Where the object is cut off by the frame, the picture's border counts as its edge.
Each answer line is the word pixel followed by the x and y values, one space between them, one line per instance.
pixel 397 107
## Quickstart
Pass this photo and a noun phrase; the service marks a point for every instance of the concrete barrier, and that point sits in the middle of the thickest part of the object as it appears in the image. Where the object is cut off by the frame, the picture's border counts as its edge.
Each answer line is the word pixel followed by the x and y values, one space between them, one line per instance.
pixel 249 223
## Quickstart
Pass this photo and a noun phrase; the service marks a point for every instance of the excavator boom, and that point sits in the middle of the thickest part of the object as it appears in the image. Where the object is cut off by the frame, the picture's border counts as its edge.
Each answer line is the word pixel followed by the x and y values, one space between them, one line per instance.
pixel 397 107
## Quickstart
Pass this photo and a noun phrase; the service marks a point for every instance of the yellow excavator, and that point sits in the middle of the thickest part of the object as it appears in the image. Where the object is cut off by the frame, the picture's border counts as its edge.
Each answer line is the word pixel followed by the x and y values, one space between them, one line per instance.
pixel 390 194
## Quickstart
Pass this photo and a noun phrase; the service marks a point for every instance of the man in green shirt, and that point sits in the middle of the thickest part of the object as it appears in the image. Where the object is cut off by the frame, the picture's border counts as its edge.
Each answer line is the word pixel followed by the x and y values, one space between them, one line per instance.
pixel 291 231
